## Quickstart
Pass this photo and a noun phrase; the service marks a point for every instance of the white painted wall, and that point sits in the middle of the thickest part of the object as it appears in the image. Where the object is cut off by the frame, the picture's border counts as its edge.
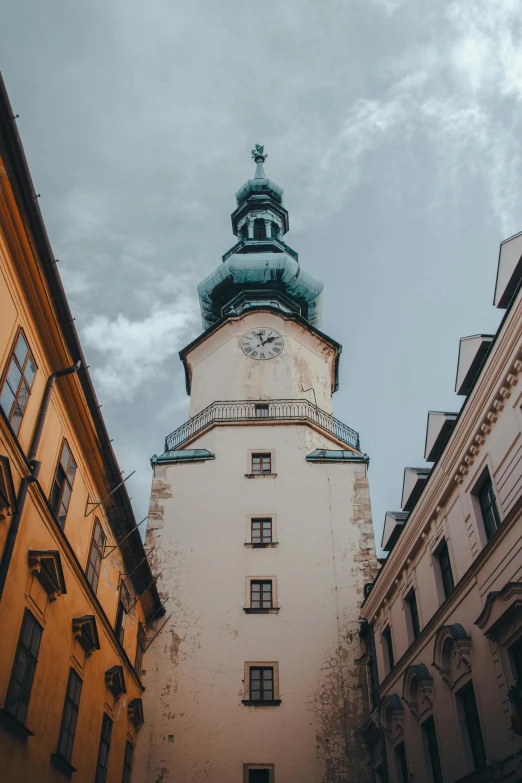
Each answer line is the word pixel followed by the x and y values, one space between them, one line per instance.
pixel 221 371
pixel 194 680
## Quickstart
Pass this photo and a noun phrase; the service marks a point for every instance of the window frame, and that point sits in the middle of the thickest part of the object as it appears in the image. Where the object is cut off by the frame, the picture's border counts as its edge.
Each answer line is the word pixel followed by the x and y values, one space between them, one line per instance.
pixel 401 763
pixel 259 223
pixel 486 483
pixel 104 750
pixel 100 549
pixel 262 520
pixel 471 728
pixel 262 410
pixel 74 709
pixel 387 644
pixel 121 612
pixel 262 456
pixel 431 743
pixel 444 569
pixel 414 626
pixel 247 768
pixel 140 649
pixel 252 665
pixel 127 768
pixel 31 655
pixel 21 367
pixel 269 603
pixel 62 483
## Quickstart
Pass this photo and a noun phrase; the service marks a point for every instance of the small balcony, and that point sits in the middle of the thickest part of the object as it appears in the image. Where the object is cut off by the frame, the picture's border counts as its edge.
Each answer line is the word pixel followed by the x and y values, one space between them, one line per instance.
pixel 261 411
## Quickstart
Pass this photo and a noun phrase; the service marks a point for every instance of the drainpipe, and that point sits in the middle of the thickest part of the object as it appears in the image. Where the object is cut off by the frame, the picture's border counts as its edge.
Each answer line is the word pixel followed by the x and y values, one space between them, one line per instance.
pixel 5 562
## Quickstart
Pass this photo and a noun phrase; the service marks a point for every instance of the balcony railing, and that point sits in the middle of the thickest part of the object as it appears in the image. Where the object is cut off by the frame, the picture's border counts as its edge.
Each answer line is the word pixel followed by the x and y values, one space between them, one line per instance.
pixel 261 410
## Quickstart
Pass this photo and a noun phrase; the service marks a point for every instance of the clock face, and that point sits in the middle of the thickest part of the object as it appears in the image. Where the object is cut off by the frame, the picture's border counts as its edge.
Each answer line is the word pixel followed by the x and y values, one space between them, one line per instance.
pixel 262 343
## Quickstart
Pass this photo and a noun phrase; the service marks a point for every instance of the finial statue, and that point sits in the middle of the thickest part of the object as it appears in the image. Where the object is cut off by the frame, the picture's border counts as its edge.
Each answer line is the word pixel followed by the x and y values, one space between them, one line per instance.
pixel 259 154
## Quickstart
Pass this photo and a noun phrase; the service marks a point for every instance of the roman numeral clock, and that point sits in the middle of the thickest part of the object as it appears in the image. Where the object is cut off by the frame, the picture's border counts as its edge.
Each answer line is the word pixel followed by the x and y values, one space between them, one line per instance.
pixel 262 343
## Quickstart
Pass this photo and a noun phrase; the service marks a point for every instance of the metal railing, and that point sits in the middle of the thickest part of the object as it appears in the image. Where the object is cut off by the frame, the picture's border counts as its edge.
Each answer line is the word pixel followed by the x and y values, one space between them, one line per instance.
pixel 262 410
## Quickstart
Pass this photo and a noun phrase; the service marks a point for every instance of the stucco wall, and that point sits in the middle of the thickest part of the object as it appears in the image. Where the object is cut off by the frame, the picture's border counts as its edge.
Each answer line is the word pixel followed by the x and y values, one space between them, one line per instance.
pixel 197 727
pixel 221 371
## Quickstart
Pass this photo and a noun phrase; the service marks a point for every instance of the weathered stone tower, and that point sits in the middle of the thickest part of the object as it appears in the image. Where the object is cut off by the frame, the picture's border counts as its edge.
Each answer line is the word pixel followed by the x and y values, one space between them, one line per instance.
pixel 260 516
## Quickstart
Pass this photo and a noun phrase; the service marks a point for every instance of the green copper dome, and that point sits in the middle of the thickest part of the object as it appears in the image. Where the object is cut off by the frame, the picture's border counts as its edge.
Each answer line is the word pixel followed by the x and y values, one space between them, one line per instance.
pixel 260 268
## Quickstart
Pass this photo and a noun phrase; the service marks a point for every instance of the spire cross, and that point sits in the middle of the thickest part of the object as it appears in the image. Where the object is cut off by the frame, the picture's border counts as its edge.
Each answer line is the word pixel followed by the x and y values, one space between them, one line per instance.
pixel 259 154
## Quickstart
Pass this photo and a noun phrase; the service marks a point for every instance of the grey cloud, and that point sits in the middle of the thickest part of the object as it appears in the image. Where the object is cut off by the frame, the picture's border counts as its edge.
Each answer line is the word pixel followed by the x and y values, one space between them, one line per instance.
pixel 393 126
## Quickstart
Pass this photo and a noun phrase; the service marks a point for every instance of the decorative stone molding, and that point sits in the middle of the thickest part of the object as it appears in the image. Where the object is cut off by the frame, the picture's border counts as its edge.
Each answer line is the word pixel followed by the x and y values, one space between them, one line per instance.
pixel 135 713
pixel 417 690
pixel 452 653
pixel 86 633
pixel 490 417
pixel 502 607
pixel 46 566
pixel 115 681
pixel 391 717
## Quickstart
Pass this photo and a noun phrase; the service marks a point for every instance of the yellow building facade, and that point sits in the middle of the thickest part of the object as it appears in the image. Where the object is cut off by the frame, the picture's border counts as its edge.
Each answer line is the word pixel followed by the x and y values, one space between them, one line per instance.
pixel 78 601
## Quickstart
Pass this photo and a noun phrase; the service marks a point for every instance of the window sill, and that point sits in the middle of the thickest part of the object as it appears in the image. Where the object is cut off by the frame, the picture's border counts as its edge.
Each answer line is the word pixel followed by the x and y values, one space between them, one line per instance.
pixel 272 610
pixel 62 765
pixel 250 545
pixel 260 475
pixel 14 726
pixel 260 703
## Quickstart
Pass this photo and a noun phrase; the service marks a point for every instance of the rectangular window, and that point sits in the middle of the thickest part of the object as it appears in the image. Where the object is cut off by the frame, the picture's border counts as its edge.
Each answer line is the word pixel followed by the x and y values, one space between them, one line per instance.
pixel 430 736
pixel 261 463
pixel 103 753
pixel 127 763
pixel 121 613
pixel 22 675
pixel 488 507
pixel 95 555
pixel 388 648
pixel 261 683
pixel 468 703
pixel 261 594
pixel 18 379
pixel 261 531
pixel 62 484
pixel 446 573
pixel 373 678
pixel 258 776
pixel 401 764
pixel 515 655
pixel 69 716
pixel 262 411
pixel 140 649
pixel 411 600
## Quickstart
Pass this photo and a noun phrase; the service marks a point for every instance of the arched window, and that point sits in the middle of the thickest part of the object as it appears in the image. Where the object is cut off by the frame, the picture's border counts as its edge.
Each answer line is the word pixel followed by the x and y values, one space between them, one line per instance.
pixel 275 230
pixel 243 231
pixel 259 229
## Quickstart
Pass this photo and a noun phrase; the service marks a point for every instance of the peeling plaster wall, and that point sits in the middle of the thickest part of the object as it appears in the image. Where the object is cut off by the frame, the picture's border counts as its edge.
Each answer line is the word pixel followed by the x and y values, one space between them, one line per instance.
pixel 196 727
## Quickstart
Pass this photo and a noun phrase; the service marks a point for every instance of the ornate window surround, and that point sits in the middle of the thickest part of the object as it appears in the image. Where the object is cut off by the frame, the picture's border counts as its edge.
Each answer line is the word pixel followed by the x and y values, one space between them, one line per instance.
pixel 115 681
pixel 391 718
pixel 85 631
pixel 452 654
pixel 417 690
pixel 135 713
pixel 46 566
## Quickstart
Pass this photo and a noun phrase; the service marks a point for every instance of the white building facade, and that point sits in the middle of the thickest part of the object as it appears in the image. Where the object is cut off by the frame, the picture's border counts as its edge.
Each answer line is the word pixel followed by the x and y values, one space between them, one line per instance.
pixel 261 522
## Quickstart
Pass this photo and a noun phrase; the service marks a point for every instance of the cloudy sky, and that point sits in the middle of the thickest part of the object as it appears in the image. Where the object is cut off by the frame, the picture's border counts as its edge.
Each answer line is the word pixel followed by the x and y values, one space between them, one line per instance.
pixel 394 127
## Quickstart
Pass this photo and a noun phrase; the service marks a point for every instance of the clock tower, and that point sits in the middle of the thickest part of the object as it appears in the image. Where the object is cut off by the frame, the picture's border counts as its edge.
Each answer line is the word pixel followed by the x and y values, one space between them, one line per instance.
pixel 260 518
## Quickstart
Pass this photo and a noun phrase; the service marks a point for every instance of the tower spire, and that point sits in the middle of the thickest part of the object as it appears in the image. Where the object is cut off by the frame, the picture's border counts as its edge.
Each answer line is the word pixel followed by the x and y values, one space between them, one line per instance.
pixel 259 155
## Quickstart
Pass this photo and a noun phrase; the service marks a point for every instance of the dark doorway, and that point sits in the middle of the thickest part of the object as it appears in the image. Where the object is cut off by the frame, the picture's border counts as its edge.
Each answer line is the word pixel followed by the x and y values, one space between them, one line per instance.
pixel 258 776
